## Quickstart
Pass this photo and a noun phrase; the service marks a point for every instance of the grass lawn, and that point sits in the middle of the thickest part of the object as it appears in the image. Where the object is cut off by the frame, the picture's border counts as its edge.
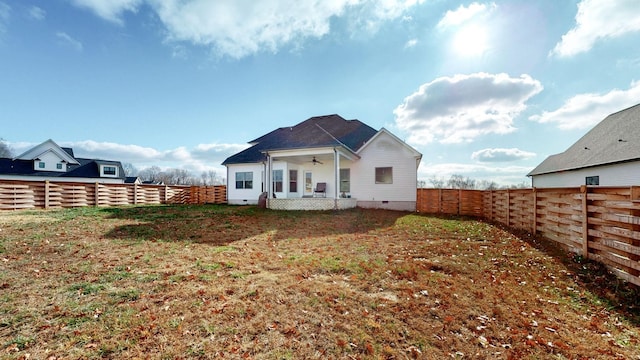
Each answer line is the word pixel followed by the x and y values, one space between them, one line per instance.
pixel 167 282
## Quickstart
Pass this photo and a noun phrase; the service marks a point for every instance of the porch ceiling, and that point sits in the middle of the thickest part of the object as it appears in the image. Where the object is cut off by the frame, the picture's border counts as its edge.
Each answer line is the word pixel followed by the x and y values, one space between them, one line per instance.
pixel 306 159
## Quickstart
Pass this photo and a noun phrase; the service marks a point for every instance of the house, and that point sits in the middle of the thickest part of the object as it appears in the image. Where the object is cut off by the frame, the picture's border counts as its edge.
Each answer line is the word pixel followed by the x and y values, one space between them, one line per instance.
pixel 325 162
pixel 133 180
pixel 608 155
pixel 48 161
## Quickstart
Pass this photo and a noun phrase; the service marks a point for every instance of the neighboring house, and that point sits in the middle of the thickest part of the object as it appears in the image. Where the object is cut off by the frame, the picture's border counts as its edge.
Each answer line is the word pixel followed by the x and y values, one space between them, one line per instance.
pixel 133 180
pixel 608 155
pixel 48 161
pixel 358 165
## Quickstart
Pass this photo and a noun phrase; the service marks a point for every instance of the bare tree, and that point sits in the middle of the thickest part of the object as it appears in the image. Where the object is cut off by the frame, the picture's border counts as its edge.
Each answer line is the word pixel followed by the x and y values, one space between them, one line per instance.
pixel 129 169
pixel 437 183
pixel 210 178
pixel 5 151
pixel 457 181
pixel 150 174
pixel 488 185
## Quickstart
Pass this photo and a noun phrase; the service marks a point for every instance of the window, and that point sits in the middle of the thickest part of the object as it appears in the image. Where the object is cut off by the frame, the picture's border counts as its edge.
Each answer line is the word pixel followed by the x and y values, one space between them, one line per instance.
pixel 345 180
pixel 384 175
pixel 41 165
pixel 592 180
pixel 109 171
pixel 244 180
pixel 277 180
pixel 293 181
pixel 59 166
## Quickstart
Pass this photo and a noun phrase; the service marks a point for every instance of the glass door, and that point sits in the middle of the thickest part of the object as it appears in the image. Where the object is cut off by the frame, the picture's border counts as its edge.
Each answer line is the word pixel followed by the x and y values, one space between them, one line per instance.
pixel 308 183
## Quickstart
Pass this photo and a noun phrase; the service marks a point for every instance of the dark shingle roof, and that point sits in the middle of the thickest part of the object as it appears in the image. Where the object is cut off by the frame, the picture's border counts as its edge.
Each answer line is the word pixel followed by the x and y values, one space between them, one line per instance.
pixel 615 139
pixel 315 132
pixel 88 168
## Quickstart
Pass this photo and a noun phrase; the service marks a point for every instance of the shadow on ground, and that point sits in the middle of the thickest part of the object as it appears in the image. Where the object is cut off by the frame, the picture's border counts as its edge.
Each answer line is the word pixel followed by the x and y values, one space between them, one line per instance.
pixel 620 296
pixel 222 224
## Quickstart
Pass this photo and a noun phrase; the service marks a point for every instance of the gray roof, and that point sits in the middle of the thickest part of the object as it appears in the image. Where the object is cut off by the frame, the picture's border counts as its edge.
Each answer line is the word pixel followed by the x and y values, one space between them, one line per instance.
pixel 615 139
pixel 315 132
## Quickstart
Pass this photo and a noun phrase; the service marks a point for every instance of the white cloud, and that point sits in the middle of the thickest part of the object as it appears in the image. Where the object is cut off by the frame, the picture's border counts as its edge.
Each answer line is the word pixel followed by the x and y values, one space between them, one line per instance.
pixel 463 14
pixel 463 107
pixel 411 43
pixel 37 13
pixel 110 10
pixel 585 110
pixel 5 14
pixel 68 40
pixel 203 157
pixel 597 20
pixel 501 155
pixel 238 28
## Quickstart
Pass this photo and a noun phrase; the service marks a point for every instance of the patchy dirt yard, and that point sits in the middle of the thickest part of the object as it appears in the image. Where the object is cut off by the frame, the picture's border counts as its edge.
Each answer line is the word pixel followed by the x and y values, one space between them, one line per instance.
pixel 170 282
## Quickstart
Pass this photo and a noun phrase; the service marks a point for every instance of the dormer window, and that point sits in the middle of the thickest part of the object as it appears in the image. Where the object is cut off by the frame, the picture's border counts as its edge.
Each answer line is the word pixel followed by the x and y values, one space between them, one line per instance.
pixel 108 171
pixel 41 165
pixel 59 166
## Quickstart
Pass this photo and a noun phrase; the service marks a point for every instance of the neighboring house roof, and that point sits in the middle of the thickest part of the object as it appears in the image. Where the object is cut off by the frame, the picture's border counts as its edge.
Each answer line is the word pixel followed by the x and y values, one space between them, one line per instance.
pixel 87 168
pixel 315 132
pixel 132 180
pixel 23 165
pixel 48 146
pixel 615 139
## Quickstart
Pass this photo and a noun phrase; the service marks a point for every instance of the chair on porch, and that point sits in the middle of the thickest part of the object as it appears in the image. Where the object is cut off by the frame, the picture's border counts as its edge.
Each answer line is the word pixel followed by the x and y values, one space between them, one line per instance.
pixel 321 189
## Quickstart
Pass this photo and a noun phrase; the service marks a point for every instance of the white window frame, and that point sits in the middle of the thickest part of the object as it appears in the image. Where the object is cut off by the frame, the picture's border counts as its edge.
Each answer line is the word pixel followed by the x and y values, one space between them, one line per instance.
pixel 247 183
pixel 384 175
pixel 104 174
pixel 345 180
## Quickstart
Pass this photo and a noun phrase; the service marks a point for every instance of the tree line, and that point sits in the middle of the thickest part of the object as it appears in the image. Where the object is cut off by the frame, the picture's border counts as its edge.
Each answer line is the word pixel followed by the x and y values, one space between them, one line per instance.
pixel 457 181
pixel 156 175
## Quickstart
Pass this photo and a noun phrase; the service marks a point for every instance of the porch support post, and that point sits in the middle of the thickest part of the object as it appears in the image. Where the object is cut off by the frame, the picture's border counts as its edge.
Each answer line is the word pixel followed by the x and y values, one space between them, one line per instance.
pixel 268 180
pixel 336 177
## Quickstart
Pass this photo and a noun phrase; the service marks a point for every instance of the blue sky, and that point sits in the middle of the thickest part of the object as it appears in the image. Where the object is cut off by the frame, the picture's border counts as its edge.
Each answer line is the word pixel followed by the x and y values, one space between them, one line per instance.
pixel 482 89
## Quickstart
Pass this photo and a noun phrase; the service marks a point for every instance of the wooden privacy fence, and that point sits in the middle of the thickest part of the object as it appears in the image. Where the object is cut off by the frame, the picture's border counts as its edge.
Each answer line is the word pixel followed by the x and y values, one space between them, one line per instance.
pixel 599 223
pixel 15 195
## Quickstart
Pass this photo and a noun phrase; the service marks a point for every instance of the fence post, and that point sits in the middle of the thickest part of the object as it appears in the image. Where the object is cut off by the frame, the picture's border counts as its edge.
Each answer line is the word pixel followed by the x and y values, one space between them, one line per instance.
pixel 535 211
pixel 440 201
pixel 46 194
pixel 508 208
pixel 491 204
pixel 584 190
pixel 97 194
pixel 459 201
pixel 135 194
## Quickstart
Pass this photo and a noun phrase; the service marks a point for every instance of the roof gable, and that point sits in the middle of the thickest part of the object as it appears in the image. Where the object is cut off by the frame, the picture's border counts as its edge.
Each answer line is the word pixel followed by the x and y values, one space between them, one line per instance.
pixel 315 132
pixel 615 139
pixel 382 131
pixel 48 146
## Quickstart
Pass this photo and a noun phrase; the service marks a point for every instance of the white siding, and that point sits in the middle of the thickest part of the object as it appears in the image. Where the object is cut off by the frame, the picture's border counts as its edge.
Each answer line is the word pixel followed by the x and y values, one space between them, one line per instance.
pixel 244 196
pixel 50 160
pixel 385 151
pixel 625 174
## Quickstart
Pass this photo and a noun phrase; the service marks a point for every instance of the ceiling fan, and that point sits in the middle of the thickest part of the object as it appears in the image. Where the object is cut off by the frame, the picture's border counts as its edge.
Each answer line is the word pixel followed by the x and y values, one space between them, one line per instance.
pixel 315 161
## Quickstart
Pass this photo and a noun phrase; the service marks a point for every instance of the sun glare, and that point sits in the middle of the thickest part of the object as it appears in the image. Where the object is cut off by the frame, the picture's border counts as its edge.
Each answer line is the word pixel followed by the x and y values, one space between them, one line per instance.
pixel 470 41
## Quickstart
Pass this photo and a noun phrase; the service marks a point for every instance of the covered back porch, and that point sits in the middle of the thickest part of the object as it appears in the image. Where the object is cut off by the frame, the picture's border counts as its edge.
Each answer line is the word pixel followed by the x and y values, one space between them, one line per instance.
pixel 309 179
